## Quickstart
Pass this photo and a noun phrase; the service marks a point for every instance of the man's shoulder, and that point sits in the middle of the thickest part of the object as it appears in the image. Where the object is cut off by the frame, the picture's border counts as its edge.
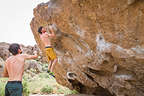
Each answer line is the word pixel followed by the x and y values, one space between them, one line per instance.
pixel 9 58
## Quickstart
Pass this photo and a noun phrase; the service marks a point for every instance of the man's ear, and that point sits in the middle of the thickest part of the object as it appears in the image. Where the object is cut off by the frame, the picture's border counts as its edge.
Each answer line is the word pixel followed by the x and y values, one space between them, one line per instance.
pixel 20 51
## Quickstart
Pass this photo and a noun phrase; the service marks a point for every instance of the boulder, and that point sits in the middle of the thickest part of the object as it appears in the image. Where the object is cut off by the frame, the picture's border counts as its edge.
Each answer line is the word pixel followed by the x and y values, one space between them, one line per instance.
pixel 33 64
pixel 1 66
pixel 4 53
pixel 99 44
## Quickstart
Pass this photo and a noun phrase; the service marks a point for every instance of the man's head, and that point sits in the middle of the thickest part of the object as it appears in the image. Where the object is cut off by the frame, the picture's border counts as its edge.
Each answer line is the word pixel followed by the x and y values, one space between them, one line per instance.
pixel 41 30
pixel 15 49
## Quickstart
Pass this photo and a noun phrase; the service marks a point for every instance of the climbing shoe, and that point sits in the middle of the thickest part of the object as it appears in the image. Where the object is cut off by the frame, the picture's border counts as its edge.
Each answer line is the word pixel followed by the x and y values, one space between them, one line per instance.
pixel 50 73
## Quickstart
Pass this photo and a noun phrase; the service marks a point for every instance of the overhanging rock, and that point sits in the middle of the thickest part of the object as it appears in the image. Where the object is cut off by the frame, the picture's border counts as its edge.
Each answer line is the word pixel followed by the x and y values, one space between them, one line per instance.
pixel 99 44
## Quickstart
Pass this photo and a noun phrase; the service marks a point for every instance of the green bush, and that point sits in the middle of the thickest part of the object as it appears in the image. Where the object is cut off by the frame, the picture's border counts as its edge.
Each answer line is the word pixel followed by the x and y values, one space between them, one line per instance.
pixel 74 92
pixel 47 89
pixel 2 88
pixel 26 91
pixel 60 91
pixel 3 82
pixel 44 75
pixel 66 91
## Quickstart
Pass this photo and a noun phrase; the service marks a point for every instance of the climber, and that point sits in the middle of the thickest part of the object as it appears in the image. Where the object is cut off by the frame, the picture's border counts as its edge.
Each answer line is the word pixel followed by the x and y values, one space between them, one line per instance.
pixel 46 39
pixel 14 68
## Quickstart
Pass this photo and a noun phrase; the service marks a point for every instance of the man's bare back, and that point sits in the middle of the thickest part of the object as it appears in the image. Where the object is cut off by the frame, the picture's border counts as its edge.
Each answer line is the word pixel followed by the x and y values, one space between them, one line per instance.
pixel 15 66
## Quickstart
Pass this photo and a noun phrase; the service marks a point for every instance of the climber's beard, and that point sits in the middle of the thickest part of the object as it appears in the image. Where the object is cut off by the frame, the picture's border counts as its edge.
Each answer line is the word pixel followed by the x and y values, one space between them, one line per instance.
pixel 21 52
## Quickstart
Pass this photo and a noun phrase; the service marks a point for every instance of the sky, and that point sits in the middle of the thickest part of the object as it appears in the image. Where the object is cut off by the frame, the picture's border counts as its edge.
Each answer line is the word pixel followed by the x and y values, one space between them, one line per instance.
pixel 15 18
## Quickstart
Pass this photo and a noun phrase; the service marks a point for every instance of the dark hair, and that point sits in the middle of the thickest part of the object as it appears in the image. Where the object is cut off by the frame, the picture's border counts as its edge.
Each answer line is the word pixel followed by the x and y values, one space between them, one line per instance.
pixel 13 48
pixel 40 29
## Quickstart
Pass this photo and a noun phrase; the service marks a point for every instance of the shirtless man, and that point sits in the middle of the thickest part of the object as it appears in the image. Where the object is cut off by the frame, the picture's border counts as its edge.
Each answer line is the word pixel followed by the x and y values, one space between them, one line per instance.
pixel 46 39
pixel 14 68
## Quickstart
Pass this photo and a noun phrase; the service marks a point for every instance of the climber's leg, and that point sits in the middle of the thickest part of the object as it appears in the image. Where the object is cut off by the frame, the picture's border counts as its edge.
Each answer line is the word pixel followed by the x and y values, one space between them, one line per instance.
pixel 49 66
pixel 53 64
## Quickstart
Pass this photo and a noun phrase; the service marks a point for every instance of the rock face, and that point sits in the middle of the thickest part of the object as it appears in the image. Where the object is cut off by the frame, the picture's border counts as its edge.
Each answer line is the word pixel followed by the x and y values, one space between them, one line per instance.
pixel 4 53
pixel 99 44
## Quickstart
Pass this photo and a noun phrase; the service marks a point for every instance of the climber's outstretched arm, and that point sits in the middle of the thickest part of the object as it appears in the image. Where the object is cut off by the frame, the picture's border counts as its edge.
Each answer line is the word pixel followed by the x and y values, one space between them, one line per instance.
pixel 27 57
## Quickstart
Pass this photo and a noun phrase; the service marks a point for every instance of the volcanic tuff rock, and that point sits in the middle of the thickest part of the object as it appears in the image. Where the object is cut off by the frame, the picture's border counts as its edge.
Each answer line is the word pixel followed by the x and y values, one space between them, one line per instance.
pixel 99 44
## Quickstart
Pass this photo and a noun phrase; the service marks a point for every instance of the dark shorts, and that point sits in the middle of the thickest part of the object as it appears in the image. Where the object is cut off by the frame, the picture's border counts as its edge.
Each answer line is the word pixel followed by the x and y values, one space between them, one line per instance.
pixel 13 88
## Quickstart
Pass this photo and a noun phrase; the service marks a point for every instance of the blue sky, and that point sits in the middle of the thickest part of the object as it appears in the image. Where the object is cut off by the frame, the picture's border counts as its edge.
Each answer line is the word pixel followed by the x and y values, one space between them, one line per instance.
pixel 15 17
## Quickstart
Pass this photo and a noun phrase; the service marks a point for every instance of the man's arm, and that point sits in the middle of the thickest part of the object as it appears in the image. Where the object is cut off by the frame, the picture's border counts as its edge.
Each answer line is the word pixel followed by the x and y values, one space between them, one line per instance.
pixel 27 57
pixel 5 72
pixel 51 31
